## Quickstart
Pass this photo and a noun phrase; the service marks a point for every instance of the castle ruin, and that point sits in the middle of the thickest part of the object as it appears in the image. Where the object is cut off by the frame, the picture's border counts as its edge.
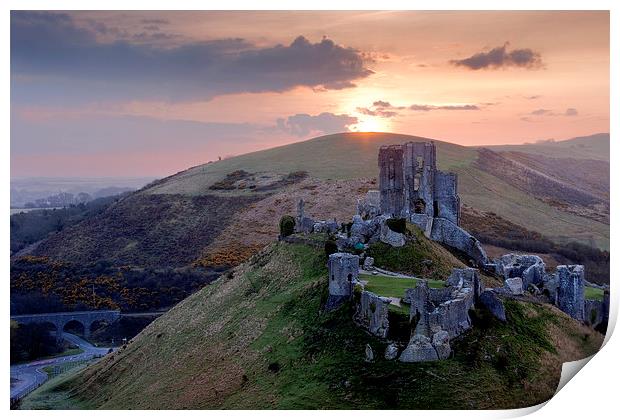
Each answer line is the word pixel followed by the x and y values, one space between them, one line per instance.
pixel 412 187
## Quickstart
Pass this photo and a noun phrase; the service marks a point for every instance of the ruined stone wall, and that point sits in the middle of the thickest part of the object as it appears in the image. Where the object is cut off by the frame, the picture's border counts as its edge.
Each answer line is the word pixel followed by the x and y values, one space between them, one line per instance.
pixel 448 233
pixel 391 180
pixel 447 203
pixel 594 311
pixel 419 173
pixel 571 290
pixel 343 271
pixel 372 314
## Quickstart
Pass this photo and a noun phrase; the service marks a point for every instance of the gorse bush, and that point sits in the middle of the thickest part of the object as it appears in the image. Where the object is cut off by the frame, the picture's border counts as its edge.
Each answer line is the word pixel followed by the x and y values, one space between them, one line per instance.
pixel 287 225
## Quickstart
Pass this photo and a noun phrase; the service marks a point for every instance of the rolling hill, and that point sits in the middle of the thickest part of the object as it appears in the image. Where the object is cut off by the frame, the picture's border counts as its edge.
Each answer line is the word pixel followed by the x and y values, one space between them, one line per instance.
pixel 256 339
pixel 218 214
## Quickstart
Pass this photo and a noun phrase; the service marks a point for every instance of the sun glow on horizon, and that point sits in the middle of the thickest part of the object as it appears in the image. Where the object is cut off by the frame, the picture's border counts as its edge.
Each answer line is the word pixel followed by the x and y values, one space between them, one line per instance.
pixel 370 125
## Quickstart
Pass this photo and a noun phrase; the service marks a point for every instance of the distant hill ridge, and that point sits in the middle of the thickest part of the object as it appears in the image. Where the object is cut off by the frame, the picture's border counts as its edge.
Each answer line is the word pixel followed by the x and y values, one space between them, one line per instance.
pixel 354 155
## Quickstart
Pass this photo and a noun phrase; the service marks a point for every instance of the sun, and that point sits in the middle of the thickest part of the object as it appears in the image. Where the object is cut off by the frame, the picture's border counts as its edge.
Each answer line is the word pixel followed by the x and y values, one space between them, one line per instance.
pixel 370 125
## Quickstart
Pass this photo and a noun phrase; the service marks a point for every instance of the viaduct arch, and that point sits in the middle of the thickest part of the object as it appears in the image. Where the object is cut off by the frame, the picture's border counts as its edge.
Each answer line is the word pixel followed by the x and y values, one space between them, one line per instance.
pixel 61 319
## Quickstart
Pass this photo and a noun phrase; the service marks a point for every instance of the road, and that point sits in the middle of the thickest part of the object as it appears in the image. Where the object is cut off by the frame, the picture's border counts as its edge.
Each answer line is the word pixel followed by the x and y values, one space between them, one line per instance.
pixel 30 375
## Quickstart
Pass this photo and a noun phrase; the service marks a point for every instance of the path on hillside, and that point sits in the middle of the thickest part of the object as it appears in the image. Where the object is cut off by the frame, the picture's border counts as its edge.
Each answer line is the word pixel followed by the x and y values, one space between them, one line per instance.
pixel 30 375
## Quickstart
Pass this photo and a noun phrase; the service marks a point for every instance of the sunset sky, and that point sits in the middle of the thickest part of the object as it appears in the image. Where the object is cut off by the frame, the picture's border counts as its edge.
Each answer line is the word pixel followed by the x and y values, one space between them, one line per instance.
pixel 152 93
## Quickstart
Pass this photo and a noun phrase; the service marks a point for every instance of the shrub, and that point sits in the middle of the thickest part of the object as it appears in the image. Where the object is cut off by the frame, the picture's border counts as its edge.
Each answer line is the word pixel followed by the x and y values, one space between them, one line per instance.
pixel 330 248
pixel 287 225
pixel 397 225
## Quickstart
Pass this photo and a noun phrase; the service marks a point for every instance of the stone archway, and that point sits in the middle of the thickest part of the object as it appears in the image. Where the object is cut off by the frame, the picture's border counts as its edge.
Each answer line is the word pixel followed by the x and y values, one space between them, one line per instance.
pixel 77 327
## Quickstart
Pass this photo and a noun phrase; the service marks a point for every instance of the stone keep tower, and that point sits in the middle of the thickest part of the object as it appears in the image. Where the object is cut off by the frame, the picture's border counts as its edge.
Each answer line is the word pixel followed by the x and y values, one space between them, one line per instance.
pixel 343 272
pixel 410 183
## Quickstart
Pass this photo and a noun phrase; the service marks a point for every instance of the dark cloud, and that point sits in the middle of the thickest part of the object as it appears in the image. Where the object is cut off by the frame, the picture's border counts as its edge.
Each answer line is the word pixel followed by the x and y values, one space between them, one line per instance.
pixel 54 45
pixel 533 97
pixel 571 112
pixel 302 125
pixel 382 104
pixel 501 57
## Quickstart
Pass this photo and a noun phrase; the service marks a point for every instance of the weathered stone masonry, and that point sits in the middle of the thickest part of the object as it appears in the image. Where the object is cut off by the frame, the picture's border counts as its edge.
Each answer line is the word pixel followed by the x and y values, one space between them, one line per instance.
pixel 343 271
pixel 410 183
pixel 413 188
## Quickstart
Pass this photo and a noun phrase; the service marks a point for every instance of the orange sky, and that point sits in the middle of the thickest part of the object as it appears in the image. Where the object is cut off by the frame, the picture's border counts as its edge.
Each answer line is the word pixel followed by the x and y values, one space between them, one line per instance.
pixel 559 89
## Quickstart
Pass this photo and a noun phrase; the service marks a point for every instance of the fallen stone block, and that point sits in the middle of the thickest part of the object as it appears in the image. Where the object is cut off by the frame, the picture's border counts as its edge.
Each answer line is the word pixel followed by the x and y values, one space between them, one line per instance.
pixel 392 238
pixel 489 300
pixel 514 285
pixel 391 351
pixel 419 349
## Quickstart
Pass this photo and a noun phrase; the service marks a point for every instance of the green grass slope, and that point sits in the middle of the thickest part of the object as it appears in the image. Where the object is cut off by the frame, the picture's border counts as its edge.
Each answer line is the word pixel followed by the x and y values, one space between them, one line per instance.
pixel 354 155
pixel 258 340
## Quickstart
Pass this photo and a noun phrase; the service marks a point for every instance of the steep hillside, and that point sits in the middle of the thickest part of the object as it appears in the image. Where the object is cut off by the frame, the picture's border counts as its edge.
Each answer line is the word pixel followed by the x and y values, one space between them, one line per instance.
pixel 257 339
pixel 147 230
pixel 550 183
pixel 594 147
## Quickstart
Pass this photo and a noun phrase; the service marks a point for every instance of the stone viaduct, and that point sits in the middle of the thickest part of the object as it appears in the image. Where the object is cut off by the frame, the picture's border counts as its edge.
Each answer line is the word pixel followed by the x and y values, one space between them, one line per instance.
pixel 61 319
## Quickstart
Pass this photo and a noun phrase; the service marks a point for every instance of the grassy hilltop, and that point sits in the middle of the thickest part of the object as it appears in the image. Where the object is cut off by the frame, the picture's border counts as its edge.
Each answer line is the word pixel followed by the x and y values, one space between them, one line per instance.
pixel 257 339
pixel 348 156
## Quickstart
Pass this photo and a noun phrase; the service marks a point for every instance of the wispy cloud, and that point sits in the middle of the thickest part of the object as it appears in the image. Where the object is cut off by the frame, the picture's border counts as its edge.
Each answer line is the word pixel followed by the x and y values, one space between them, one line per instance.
pixel 465 107
pixel 542 112
pixel 385 109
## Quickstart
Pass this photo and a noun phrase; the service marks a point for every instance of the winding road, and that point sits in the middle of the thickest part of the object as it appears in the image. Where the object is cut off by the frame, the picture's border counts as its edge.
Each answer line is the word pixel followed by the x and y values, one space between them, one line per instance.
pixel 26 377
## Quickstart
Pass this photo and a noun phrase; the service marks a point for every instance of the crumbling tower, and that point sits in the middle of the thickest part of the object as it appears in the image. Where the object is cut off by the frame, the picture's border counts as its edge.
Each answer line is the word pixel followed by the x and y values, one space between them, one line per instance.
pixel 410 184
pixel 343 273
